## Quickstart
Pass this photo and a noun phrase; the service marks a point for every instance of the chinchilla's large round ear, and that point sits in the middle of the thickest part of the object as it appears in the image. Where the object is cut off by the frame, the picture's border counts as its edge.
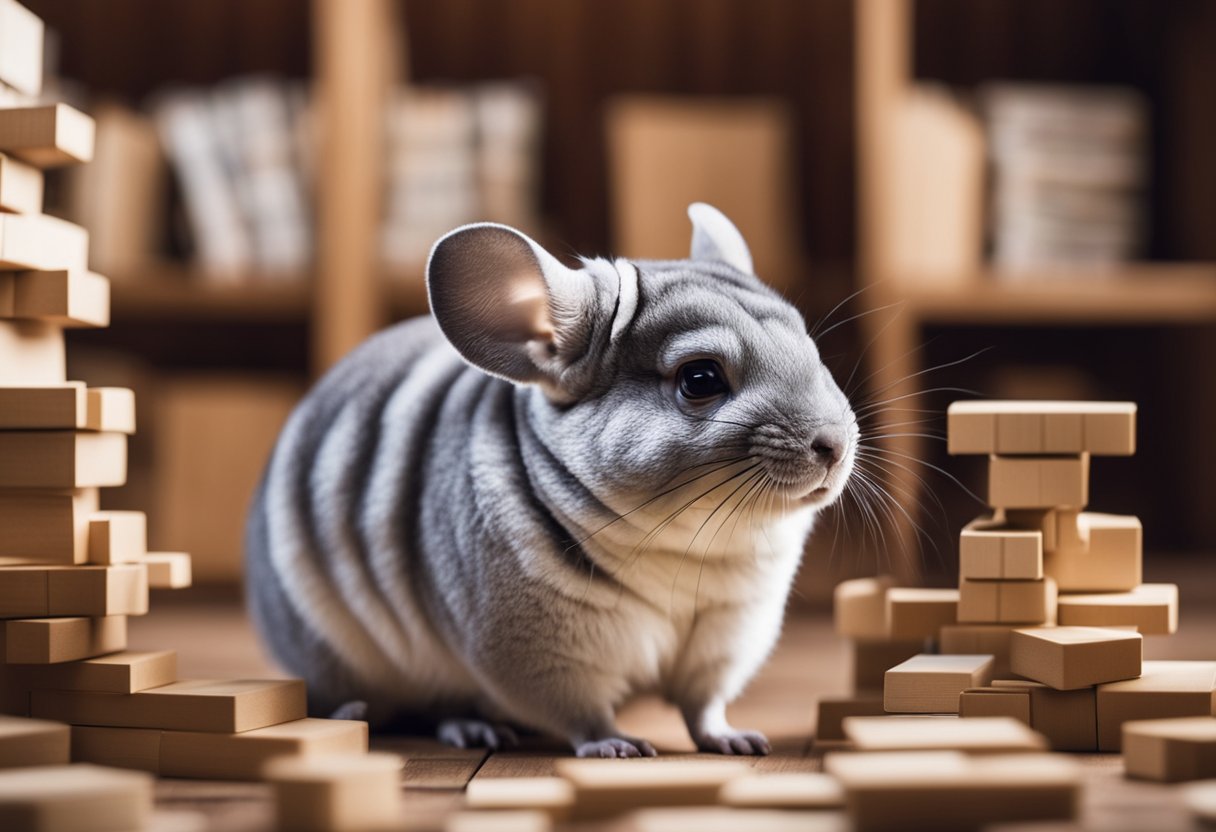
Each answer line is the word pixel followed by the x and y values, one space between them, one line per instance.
pixel 508 306
pixel 714 237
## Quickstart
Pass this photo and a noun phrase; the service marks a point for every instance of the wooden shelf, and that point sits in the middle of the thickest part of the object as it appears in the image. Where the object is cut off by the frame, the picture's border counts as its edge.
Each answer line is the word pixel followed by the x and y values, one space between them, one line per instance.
pixel 189 298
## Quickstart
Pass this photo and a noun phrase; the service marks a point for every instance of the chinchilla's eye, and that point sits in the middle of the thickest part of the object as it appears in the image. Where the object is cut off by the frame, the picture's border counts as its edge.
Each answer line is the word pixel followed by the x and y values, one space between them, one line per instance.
pixel 702 379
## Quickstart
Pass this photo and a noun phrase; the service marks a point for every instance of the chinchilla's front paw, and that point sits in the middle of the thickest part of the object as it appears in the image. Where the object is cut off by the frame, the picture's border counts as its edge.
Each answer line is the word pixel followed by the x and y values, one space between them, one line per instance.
pixel 616 747
pixel 476 733
pixel 732 742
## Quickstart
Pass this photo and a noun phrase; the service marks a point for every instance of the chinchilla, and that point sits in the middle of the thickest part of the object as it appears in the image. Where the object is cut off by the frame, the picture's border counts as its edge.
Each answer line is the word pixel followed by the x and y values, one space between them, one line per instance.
pixel 567 487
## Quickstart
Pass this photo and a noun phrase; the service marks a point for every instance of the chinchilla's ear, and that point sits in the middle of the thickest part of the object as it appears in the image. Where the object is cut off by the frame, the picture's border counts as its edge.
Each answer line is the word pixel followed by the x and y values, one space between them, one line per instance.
pixel 714 237
pixel 507 305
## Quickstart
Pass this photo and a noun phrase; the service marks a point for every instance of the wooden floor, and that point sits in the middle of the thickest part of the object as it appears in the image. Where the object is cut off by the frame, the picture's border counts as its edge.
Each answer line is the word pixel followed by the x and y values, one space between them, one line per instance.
pixel 213 639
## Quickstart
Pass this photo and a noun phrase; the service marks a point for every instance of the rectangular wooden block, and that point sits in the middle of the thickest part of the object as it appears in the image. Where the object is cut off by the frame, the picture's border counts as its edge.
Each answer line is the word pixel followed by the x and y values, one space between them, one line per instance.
pixel 1170 750
pixel 1164 689
pixel 931 684
pixel 945 790
pixel 1067 658
pixel 1038 481
pixel 1150 608
pixel 978 639
pixel 64 297
pixel 987 550
pixel 20 185
pixel 45 527
pixel 528 820
pixel 1007 602
pixel 829 725
pixel 111 409
pixel 792 791
pixel 601 788
pixel 341 792
pixel 1041 428
pixel 52 640
pixel 53 591
pixel 992 701
pixel 980 735
pixel 168 570
pixel 62 459
pixel 872 660
pixel 1067 718
pixel 860 607
pixel 918 613
pixel 74 798
pixel 42 242
pixel 21 36
pixel 225 707
pixel 33 742
pixel 52 406
pixel 552 795
pixel 1106 557
pixel 118 537
pixel 123 672
pixel 47 136
pixel 31 353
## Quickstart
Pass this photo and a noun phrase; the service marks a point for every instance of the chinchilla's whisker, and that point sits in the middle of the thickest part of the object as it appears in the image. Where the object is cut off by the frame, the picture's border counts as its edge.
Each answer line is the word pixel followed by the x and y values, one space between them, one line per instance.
pixel 921 532
pixel 840 323
pixel 868 408
pixel 882 454
pixel 872 437
pixel 849 387
pixel 822 321
pixel 705 551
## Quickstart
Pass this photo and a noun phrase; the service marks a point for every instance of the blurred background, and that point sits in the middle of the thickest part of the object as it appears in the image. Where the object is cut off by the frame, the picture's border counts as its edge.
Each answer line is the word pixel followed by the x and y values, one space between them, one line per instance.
pixel 1013 198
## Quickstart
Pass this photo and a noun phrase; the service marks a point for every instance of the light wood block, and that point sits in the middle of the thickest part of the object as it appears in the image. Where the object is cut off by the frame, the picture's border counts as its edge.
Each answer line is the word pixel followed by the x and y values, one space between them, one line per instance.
pixel 62 459
pixel 41 242
pixel 123 672
pixel 1067 718
pixel 914 612
pixel 226 706
pixel 111 409
pixel 137 749
pixel 931 684
pixel 551 795
pixel 1150 608
pixel 1007 602
pixel 57 406
pixel 1048 521
pixel 168 570
pixel 21 37
pixel 45 527
pixel 20 184
pixel 945 790
pixel 987 550
pixel 1200 799
pixel 1106 557
pixel 981 735
pixel 1038 481
pixel 1041 428
pixel 979 639
pixel 504 820
pixel 860 607
pixel 1067 658
pixel 54 591
pixel 33 742
pixel 75 798
pixel 340 792
pixel 118 537
pixel 47 136
pixel 1165 689
pixel 70 298
pixel 1170 750
pixel 992 701
pixel 795 791
pixel 31 353
pixel 829 725
pixel 872 660
pixel 54 640
pixel 607 787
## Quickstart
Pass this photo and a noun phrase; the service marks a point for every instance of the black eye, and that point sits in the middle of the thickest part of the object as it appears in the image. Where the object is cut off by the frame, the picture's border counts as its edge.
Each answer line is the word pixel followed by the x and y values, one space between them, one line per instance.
pixel 702 379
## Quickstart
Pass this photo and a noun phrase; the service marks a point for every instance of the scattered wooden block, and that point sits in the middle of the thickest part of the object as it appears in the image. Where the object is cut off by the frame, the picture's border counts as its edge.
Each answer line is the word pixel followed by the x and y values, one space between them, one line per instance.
pixel 981 735
pixel 21 36
pixel 47 136
pixel 945 790
pixel 338 792
pixel 31 353
pixel 804 790
pixel 54 406
pixel 1067 718
pixel 54 591
pixel 1164 689
pixel 1029 602
pixel 1038 481
pixel 1102 553
pixel 978 639
pixel 872 660
pixel 1200 799
pixel 993 701
pixel 168 570
pixel 33 742
pixel 20 185
pixel 727 819
pixel 506 820
pixel 1067 658
pixel 829 726
pixel 1041 427
pixel 226 707
pixel 1170 750
pixel 41 242
pixel 65 297
pixel 118 537
pixel 124 672
pixel 45 527
pixel 62 459
pixel 551 795
pixel 988 550
pixel 52 640
pixel 608 787
pixel 75 798
pixel 1150 608
pixel 917 613
pixel 860 607
pixel 111 409
pixel 931 684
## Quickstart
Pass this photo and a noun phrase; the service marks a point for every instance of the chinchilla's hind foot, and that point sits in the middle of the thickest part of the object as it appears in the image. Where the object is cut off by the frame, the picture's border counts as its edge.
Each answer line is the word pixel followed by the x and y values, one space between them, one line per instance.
pixel 476 733
pixel 356 709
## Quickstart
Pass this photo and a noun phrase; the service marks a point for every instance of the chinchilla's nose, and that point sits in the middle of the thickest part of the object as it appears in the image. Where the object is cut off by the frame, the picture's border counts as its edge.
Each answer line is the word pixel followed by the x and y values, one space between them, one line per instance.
pixel 827 445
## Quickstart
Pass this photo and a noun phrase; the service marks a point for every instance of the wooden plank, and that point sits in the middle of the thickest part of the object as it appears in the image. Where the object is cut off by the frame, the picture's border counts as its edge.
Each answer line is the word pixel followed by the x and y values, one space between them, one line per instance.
pixel 48 135
pixel 31 353
pixel 33 742
pixel 54 640
pixel 20 184
pixel 70 298
pixel 75 798
pixel 1041 427
pixel 47 527
pixel 62 459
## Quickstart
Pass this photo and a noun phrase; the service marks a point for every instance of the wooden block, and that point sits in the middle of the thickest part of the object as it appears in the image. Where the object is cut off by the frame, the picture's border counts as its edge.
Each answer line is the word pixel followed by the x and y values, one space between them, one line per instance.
pixel 979 735
pixel 21 37
pixel 607 787
pixel 339 792
pixel 47 136
pixel 988 550
pixel 226 707
pixel 1200 799
pixel 992 701
pixel 168 570
pixel 1170 750
pixel 1067 658
pixel 20 185
pixel 860 607
pixel 54 406
pixel 872 660
pixel 53 640
pixel 977 639
pixel 65 297
pixel 931 684
pixel 1067 718
pixel 45 527
pixel 1105 557
pixel 1164 689
pixel 75 798
pixel 111 409
pixel 1041 427
pixel 507 820
pixel 62 459
pixel 1007 602
pixel 802 790
pixel 137 749
pixel 829 726
pixel 54 591
pixel 1038 481
pixel 123 672
pixel 33 742
pixel 943 790
pixel 1150 608
pixel 1048 521
pixel 118 537
pixel 916 613
pixel 41 242
pixel 31 353
pixel 551 795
